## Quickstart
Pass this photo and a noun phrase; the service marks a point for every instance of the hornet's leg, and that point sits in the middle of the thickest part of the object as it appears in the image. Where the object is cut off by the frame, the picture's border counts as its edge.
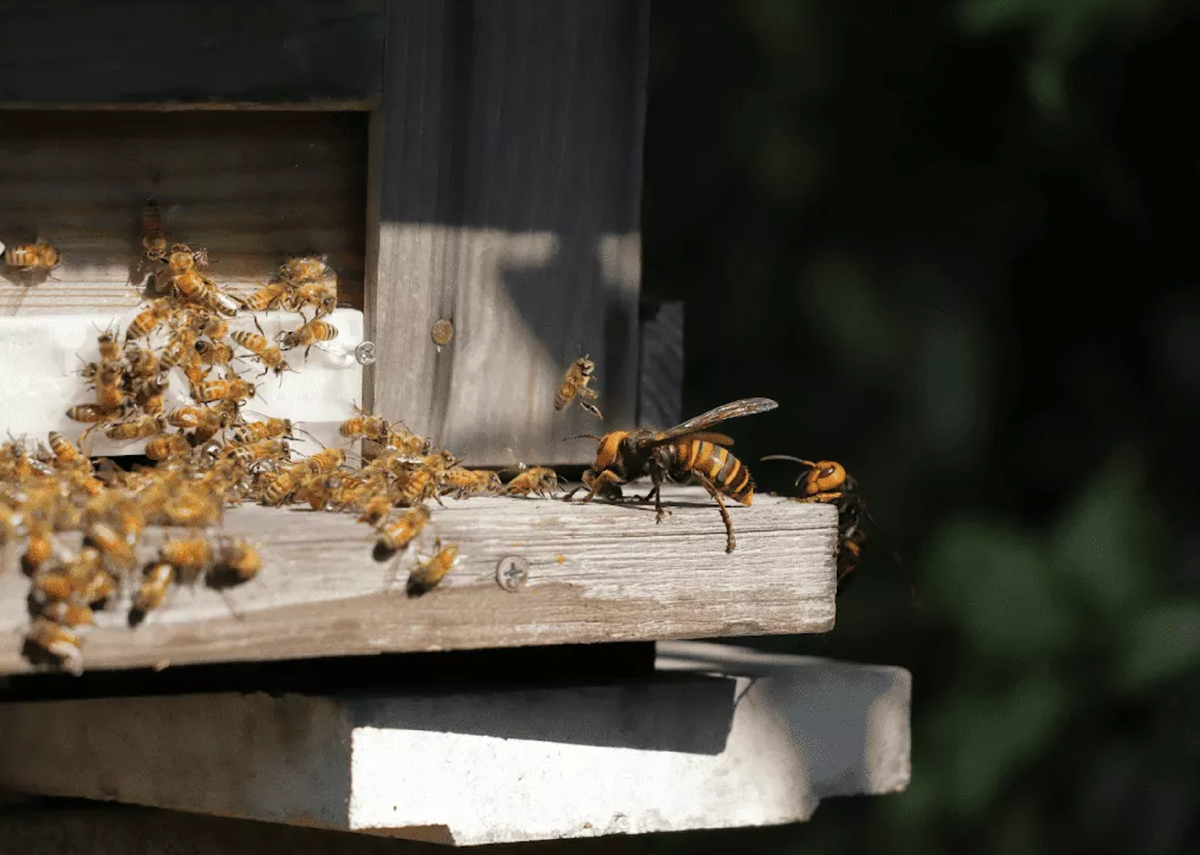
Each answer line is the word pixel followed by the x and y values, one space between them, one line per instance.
pixel 730 540
pixel 818 497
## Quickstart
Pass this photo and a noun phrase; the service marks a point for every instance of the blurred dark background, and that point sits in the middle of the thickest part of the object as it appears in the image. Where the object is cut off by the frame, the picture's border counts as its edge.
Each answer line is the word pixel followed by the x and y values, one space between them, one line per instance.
pixel 955 241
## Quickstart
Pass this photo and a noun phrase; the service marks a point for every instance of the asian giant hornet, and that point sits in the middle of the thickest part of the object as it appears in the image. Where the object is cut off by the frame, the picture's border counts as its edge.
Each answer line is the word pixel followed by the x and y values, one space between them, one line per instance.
pixel 688 449
pixel 827 481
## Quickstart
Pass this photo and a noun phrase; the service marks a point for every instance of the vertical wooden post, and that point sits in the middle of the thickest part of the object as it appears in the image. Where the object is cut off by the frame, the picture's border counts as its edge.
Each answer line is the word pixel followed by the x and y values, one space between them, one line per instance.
pixel 509 187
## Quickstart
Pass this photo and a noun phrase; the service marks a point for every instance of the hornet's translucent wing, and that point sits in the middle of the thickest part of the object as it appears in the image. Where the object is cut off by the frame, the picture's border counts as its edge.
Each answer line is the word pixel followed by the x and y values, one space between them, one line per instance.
pixel 743 407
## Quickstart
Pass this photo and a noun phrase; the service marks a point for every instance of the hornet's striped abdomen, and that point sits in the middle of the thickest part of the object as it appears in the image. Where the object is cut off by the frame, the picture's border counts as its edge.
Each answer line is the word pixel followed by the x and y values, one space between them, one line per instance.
pixel 724 470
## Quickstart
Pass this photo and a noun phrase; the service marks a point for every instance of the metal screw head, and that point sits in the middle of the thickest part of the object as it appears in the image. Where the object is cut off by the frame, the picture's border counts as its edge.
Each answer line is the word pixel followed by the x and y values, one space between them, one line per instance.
pixel 365 353
pixel 442 332
pixel 511 573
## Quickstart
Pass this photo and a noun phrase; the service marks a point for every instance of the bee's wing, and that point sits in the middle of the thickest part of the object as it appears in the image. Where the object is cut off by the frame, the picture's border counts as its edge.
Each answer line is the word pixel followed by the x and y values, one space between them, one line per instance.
pixel 743 407
pixel 711 436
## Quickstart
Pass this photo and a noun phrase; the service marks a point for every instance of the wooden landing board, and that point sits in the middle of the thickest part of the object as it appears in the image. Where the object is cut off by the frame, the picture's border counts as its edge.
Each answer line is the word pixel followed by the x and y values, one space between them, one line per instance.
pixel 596 572
pixel 670 753
pixel 251 187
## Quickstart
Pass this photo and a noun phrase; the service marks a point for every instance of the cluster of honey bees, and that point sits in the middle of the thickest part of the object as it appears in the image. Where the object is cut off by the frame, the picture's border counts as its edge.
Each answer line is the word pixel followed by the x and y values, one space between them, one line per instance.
pixel 55 489
pixel 208 454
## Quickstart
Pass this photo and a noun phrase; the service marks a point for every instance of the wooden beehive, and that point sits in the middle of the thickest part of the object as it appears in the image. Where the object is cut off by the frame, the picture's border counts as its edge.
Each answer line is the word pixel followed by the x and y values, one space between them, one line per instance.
pixel 475 164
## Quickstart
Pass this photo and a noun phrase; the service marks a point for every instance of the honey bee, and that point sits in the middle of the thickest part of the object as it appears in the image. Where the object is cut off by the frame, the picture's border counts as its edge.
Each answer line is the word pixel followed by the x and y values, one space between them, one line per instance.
pixel 59 642
pixel 269 297
pixel 428 573
pixel 374 510
pixel 408 444
pixel 167 446
pixel 88 413
pixel 464 482
pixel 827 481
pixel 364 426
pixel 189 556
pixel 271 428
pixel 234 389
pixel 38 547
pixel 278 488
pixel 156 580
pixel 154 244
pixel 270 356
pixel 688 449
pixel 30 257
pixel 113 548
pixel 319 295
pixel 397 535
pixel 213 326
pixel 142 362
pixel 110 348
pixel 68 613
pixel 148 320
pixel 65 452
pixel 308 334
pixel 575 386
pixel 299 270
pixel 109 393
pixel 236 562
pixel 179 350
pixel 256 452
pixel 326 460
pixel 142 427
pixel 213 352
pixel 537 479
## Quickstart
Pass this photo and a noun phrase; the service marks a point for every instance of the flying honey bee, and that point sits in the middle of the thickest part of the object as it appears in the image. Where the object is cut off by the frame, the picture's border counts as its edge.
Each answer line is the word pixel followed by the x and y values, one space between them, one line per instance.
pixel 189 556
pixel 29 259
pixel 427 574
pixel 59 642
pixel 236 562
pixel 686 450
pixel 575 386
pixel 156 580
pixel 307 335
pixel 397 535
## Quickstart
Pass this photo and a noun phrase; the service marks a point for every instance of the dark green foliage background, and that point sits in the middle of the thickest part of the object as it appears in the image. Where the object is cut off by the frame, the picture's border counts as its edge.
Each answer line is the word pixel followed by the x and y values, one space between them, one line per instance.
pixel 955 240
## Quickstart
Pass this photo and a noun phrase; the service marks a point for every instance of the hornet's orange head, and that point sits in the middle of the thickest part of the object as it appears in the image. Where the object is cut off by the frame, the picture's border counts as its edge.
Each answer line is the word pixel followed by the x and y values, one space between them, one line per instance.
pixel 824 476
pixel 610 444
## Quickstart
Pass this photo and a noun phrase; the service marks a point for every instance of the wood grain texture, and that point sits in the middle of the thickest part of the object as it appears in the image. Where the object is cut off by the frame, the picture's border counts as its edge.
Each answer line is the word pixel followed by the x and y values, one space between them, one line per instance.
pixel 470 767
pixel 660 380
pixel 509 197
pixel 597 572
pixel 81 52
pixel 252 187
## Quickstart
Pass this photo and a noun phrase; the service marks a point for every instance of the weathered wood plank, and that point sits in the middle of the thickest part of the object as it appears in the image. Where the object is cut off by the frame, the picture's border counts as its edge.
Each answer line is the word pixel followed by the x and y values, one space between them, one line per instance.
pixel 483 767
pixel 80 52
pixel 253 188
pixel 596 572
pixel 660 379
pixel 509 198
